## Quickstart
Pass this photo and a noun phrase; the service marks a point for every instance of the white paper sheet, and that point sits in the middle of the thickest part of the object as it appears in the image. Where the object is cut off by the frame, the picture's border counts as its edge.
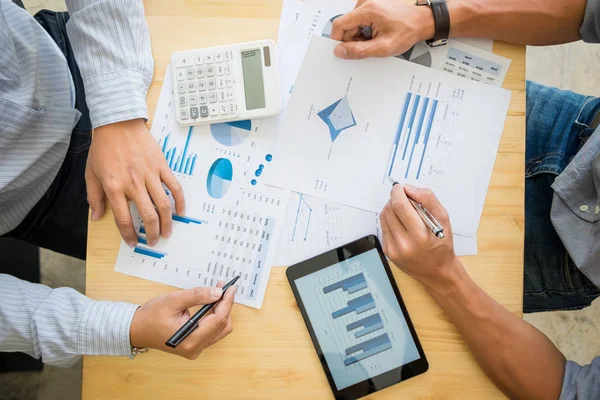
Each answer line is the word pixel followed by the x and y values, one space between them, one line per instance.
pixel 457 57
pixel 290 11
pixel 233 224
pixel 313 226
pixel 340 137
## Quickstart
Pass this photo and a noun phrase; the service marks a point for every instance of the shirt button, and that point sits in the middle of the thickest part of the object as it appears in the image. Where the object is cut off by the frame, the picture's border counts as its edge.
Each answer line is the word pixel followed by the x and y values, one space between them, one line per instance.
pixel 584 208
pixel 597 210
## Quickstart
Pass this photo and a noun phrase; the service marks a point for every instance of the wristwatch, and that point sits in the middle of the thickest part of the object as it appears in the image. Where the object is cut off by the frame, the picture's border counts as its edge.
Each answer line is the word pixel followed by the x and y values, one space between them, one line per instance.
pixel 137 350
pixel 441 18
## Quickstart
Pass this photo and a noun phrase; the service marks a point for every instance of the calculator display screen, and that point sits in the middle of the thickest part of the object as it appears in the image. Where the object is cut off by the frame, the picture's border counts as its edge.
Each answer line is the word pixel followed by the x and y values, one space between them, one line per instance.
pixel 253 79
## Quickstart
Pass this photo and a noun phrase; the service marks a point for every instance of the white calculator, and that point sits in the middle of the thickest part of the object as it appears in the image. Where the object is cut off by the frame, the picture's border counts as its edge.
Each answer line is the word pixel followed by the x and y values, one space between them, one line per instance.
pixel 226 83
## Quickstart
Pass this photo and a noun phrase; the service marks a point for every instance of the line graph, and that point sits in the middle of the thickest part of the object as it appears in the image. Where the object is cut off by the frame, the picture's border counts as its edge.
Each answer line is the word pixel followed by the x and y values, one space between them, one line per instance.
pixel 303 208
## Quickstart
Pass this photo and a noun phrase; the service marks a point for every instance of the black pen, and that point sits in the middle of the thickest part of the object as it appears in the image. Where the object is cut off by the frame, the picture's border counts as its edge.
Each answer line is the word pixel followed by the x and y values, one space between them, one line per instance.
pixel 192 324
pixel 434 226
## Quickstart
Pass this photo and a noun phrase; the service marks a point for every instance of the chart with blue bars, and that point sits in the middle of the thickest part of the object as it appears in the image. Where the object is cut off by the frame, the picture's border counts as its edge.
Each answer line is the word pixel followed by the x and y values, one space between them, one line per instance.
pixel 142 247
pixel 181 161
pixel 413 136
pixel 366 320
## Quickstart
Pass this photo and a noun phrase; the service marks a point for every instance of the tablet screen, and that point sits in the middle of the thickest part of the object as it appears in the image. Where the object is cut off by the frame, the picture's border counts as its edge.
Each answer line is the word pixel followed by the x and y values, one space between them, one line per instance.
pixel 356 318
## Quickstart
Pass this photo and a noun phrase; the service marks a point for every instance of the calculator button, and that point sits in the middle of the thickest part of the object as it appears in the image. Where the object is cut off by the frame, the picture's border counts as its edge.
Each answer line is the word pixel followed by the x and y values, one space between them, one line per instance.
pixel 221 83
pixel 229 82
pixel 201 85
pixel 219 57
pixel 183 114
pixel 232 108
pixel 209 59
pixel 228 68
pixel 220 69
pixel 194 112
pixel 210 70
pixel 181 88
pixel 199 59
pixel 189 73
pixel 183 101
pixel 222 96
pixel 191 86
pixel 228 55
pixel 202 98
pixel 204 111
pixel 214 110
pixel 180 75
pixel 230 94
pixel 212 97
pixel 183 61
pixel 224 109
pixel 193 100
pixel 200 72
pixel 211 84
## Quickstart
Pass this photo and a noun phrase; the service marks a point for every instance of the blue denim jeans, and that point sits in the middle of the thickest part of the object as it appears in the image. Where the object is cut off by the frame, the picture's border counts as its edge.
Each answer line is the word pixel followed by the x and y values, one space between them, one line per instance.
pixel 557 123
pixel 59 220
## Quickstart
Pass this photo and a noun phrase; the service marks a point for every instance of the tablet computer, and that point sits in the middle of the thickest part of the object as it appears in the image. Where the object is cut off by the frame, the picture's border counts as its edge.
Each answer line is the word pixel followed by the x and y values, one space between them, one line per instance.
pixel 357 320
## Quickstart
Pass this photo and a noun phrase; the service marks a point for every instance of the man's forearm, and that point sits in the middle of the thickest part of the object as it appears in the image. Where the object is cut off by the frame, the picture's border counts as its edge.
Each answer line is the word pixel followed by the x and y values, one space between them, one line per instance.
pixel 520 360
pixel 533 22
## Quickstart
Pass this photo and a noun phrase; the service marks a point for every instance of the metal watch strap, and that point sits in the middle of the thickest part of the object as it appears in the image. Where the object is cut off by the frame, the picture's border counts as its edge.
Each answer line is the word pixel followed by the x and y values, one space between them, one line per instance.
pixel 441 18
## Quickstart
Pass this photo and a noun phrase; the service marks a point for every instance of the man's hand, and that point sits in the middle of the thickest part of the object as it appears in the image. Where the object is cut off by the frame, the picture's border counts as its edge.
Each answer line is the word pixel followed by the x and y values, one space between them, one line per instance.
pixel 396 27
pixel 409 243
pixel 157 320
pixel 125 163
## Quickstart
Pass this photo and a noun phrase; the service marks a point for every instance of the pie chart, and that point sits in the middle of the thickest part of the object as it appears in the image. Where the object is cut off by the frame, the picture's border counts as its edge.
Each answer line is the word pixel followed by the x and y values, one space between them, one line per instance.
pixel 231 133
pixel 327 29
pixel 219 178
pixel 418 54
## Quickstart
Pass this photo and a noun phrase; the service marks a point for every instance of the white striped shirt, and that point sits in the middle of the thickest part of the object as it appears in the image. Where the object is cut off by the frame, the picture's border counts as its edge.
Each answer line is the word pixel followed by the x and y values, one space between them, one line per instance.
pixel 111 44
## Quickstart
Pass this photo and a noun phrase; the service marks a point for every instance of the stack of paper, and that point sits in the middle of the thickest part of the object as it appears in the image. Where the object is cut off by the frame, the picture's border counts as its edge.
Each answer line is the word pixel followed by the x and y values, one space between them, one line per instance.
pixel 280 190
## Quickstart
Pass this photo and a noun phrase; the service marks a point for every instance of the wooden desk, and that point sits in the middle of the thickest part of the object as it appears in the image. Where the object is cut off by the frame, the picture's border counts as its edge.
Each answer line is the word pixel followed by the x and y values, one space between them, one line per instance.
pixel 269 353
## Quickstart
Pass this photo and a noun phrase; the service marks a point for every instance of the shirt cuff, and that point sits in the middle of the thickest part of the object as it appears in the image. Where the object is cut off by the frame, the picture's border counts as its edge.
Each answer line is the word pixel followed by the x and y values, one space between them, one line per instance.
pixel 105 328
pixel 117 96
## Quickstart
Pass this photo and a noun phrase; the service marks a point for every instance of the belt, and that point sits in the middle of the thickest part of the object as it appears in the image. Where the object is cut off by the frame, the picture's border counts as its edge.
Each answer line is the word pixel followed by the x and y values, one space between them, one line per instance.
pixel 595 121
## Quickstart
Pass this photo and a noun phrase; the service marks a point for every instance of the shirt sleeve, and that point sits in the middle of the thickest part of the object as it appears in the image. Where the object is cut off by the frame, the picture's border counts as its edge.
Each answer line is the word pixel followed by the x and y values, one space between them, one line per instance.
pixel 111 43
pixel 590 28
pixel 60 325
pixel 581 382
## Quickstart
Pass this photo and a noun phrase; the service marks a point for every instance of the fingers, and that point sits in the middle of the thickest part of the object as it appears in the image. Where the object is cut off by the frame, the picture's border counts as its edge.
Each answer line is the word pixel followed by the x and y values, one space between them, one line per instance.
pixel 397 229
pixel 380 46
pixel 176 190
pixel 389 245
pixel 163 205
pixel 123 220
pixel 149 216
pixel 427 199
pixel 224 307
pixel 354 19
pixel 405 211
pixel 95 195
pixel 184 299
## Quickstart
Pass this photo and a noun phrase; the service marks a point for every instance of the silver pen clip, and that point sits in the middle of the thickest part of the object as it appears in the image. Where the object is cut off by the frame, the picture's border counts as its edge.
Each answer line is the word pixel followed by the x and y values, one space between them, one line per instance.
pixel 425 215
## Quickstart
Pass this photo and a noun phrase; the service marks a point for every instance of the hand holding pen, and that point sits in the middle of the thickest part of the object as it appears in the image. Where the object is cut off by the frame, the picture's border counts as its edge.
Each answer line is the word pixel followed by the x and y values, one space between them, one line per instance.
pixel 162 316
pixel 417 235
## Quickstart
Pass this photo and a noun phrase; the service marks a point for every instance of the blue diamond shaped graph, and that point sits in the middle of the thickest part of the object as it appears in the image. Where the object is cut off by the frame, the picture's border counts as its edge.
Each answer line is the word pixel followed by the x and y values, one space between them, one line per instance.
pixel 338 116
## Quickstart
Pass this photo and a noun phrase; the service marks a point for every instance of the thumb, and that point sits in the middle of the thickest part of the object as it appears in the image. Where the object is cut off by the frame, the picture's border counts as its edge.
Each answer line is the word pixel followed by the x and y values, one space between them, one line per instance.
pixel 95 195
pixel 184 299
pixel 427 199
pixel 378 47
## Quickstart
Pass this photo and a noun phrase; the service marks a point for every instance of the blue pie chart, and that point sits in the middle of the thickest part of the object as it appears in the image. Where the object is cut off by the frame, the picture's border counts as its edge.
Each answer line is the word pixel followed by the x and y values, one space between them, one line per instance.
pixel 219 178
pixel 231 133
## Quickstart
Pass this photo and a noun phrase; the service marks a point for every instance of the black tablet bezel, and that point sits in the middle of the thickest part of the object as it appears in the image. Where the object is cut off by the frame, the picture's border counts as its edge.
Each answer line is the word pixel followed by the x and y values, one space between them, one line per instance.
pixel 333 257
